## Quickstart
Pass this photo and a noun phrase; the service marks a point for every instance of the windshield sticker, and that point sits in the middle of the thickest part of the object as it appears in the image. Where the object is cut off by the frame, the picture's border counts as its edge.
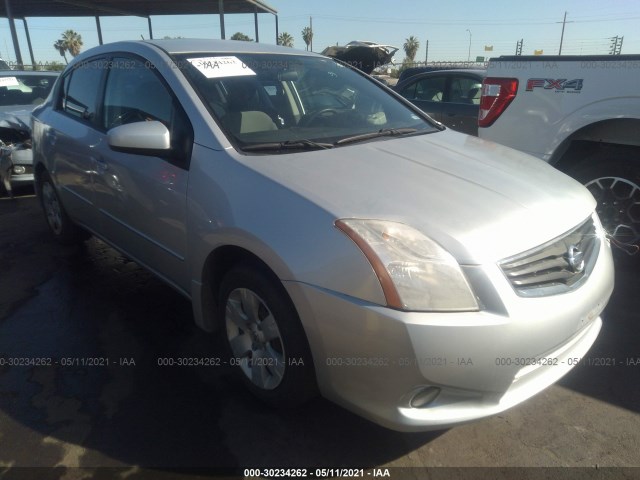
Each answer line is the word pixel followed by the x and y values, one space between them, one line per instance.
pixel 9 82
pixel 218 67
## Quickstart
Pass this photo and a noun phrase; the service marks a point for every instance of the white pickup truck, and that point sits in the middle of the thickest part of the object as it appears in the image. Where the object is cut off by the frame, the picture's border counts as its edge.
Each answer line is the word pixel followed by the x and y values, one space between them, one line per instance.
pixel 580 114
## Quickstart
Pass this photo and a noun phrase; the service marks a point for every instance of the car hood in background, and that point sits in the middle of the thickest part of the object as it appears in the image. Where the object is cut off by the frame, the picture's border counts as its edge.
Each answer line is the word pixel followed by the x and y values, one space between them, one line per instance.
pixel 365 56
pixel 15 126
pixel 483 202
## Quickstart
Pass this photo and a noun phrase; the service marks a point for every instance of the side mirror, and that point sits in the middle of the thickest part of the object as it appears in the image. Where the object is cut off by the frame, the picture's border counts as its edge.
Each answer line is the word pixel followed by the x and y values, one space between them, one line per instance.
pixel 142 138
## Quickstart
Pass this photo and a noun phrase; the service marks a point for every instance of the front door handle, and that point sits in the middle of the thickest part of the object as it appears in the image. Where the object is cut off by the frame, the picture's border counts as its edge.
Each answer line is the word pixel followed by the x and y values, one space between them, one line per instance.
pixel 101 166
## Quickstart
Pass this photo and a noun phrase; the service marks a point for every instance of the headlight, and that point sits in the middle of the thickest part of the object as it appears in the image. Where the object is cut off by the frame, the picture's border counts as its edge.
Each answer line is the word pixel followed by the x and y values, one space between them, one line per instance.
pixel 414 271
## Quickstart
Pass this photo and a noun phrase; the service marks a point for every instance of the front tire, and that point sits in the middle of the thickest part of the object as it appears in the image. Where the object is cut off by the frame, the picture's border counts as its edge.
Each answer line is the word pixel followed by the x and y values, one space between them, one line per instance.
pixel 264 337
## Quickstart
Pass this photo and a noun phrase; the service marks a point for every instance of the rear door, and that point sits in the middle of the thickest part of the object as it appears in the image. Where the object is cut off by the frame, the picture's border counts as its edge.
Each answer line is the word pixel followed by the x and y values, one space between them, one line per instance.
pixel 427 93
pixel 462 103
pixel 70 137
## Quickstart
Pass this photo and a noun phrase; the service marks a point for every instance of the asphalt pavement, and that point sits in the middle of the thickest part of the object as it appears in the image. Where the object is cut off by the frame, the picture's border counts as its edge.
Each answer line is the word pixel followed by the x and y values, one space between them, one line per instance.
pixel 94 398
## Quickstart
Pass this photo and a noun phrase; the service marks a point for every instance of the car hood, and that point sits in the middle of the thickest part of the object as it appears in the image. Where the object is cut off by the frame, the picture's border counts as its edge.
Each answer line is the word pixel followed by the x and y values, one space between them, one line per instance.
pixel 481 201
pixel 15 126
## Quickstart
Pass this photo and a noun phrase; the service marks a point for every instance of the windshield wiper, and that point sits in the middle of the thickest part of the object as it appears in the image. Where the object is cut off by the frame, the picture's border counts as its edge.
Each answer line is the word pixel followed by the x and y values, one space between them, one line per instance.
pixel 288 145
pixel 385 132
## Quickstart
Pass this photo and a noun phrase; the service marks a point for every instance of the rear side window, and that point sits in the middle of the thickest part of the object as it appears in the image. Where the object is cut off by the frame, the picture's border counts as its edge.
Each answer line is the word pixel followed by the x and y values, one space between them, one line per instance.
pixel 80 90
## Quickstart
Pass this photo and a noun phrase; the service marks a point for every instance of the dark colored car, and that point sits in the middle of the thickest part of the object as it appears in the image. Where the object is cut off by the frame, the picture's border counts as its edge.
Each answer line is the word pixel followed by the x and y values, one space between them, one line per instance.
pixel 451 97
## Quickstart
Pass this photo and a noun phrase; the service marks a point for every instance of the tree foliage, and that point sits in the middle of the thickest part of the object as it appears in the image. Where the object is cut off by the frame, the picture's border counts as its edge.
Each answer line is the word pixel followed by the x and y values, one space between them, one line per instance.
pixel 411 46
pixel 307 36
pixel 241 36
pixel 70 41
pixel 285 40
pixel 62 49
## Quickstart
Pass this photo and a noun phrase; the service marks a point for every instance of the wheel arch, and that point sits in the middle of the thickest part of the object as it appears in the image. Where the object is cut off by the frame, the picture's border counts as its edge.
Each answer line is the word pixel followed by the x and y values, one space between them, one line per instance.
pixel 615 133
pixel 220 261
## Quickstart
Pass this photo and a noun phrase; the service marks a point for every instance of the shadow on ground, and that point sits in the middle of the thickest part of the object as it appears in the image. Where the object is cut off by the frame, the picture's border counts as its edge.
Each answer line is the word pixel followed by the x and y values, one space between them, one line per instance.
pixel 98 331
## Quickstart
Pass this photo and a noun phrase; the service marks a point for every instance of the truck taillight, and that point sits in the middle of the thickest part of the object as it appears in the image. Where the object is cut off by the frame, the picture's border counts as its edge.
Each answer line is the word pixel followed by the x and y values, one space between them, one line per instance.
pixel 497 94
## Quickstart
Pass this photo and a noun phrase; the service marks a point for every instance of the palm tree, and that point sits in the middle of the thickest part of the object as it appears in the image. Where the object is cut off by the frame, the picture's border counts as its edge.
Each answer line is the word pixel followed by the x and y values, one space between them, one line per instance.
pixel 307 36
pixel 72 42
pixel 62 49
pixel 241 36
pixel 411 46
pixel 285 40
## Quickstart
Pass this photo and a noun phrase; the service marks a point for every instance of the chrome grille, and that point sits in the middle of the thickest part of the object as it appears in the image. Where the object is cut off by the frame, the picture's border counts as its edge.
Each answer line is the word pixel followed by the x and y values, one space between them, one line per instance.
pixel 555 267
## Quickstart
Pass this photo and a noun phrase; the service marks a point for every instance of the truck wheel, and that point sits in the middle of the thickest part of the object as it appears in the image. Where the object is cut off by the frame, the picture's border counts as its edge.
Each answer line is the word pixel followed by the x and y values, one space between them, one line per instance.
pixel 614 181
pixel 265 339
pixel 60 225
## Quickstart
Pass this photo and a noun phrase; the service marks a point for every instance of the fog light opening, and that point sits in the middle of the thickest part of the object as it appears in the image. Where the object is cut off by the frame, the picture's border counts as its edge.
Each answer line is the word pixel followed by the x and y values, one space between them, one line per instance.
pixel 19 169
pixel 424 397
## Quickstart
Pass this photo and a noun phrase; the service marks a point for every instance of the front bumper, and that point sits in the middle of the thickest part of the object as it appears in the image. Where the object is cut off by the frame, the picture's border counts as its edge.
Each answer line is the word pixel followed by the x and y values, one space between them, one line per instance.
pixel 374 360
pixel 23 159
pixel 24 179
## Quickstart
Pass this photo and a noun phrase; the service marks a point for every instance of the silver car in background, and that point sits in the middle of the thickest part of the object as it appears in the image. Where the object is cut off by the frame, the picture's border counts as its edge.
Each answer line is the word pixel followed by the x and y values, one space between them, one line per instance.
pixel 338 239
pixel 20 92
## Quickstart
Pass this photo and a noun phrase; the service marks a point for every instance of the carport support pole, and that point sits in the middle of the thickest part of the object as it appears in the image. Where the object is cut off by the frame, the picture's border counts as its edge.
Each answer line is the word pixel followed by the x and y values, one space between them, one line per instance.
pixel 255 22
pixel 99 28
pixel 221 13
pixel 150 29
pixel 26 31
pixel 277 34
pixel 14 35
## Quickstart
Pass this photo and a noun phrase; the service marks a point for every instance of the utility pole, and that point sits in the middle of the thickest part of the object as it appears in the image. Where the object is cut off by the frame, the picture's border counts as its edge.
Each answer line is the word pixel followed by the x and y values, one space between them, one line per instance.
pixel 562 34
pixel 426 54
pixel 469 54
pixel 311 27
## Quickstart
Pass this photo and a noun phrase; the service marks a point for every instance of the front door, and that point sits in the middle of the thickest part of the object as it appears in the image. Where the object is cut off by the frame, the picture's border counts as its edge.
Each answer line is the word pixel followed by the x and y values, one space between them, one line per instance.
pixel 142 199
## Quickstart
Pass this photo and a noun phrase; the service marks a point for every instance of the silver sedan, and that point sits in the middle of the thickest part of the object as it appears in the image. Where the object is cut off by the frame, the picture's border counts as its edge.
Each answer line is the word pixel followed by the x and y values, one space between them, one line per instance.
pixel 341 241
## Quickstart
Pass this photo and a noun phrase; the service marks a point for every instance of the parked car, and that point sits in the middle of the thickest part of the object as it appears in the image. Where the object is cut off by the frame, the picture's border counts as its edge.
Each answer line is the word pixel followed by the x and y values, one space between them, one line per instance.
pixel 448 96
pixel 339 239
pixel 20 92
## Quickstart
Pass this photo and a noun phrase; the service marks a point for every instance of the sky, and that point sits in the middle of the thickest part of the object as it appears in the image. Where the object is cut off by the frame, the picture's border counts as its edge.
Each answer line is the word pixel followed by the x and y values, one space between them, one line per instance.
pixel 456 30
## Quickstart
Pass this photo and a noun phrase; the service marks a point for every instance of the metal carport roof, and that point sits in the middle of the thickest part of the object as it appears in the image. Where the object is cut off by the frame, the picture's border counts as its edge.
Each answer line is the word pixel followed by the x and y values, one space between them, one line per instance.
pixel 21 9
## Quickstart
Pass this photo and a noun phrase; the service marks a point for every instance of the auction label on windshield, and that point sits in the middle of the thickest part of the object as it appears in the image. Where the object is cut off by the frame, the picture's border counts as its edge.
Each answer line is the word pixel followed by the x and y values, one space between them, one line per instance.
pixel 8 82
pixel 218 67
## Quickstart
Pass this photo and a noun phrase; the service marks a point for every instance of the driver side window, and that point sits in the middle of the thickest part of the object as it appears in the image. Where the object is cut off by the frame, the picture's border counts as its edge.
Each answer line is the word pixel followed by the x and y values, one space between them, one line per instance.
pixel 134 94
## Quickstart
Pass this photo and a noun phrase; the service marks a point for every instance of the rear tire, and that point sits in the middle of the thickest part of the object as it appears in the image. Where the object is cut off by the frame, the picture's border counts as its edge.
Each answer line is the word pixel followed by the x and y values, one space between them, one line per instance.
pixel 613 178
pixel 60 225
pixel 264 337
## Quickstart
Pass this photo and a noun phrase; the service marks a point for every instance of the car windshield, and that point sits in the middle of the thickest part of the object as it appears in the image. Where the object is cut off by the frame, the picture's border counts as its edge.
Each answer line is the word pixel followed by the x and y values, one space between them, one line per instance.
pixel 280 103
pixel 19 89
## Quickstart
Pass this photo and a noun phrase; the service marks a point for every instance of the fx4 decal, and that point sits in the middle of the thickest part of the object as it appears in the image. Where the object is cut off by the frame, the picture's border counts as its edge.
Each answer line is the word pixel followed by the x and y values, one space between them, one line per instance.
pixel 560 84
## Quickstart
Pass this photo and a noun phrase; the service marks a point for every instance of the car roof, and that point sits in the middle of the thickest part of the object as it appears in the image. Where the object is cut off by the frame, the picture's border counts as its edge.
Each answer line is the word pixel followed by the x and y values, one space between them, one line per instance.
pixel 481 73
pixel 28 73
pixel 186 46
pixel 476 71
pixel 191 45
